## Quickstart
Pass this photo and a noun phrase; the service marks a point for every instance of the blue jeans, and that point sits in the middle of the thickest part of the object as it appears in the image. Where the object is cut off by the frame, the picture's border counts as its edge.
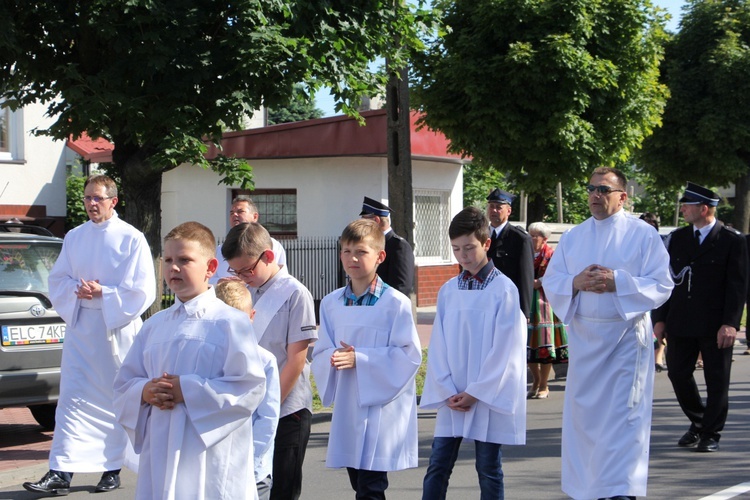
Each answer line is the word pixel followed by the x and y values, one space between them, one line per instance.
pixel 489 465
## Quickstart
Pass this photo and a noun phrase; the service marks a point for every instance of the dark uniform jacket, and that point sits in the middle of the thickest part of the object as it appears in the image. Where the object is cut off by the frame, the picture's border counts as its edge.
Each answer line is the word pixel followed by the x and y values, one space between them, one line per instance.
pixel 397 270
pixel 715 293
pixel 513 254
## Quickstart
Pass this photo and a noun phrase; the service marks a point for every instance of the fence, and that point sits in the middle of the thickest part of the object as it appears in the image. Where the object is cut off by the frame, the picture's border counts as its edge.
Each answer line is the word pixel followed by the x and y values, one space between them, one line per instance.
pixel 314 261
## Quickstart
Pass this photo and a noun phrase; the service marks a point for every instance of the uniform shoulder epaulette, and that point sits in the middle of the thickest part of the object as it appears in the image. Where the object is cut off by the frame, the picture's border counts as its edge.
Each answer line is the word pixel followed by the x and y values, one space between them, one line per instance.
pixel 732 230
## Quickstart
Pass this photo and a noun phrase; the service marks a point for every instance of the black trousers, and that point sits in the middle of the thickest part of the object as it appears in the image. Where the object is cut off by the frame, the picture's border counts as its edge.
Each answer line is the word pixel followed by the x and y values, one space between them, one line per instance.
pixel 368 484
pixel 290 445
pixel 682 353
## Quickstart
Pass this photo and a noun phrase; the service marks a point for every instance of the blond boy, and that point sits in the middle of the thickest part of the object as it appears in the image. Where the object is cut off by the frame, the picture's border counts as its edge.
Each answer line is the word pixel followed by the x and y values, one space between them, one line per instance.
pixel 266 417
pixel 188 387
pixel 364 362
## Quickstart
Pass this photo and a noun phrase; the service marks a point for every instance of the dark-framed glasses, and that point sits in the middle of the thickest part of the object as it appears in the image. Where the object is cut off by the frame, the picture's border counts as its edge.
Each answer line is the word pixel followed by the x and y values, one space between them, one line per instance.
pixel 248 271
pixel 96 199
pixel 603 189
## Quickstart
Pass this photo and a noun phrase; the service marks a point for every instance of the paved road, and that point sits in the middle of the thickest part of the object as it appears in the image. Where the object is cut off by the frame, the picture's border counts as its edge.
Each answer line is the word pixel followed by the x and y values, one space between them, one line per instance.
pixel 531 471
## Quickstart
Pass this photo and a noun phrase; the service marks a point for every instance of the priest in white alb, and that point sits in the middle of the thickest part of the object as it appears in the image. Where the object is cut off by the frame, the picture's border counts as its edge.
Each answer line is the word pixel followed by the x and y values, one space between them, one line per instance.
pixel 100 285
pixel 605 276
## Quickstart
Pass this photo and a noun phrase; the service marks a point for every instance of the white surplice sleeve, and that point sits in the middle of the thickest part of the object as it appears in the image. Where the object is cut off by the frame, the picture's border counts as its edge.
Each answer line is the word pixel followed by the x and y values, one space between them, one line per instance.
pixel 323 372
pixel 385 372
pixel 131 412
pixel 503 371
pixel 650 286
pixel 126 300
pixel 266 416
pixel 217 406
pixel 62 284
pixel 438 384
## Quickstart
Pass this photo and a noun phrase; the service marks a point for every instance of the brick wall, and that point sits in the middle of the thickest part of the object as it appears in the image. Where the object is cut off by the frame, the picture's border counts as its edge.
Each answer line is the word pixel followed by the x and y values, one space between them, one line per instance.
pixel 429 279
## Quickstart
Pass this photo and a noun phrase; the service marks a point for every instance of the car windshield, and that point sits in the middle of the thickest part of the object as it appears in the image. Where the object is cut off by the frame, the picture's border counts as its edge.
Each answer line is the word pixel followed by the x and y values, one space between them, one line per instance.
pixel 26 266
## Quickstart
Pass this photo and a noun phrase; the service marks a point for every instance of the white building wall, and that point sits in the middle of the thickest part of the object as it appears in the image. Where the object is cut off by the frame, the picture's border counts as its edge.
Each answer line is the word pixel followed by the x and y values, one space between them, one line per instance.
pixel 38 176
pixel 329 190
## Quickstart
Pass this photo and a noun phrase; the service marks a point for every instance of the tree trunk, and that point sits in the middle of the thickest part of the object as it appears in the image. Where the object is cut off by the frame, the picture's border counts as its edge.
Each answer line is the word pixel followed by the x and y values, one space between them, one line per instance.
pixel 741 219
pixel 400 193
pixel 536 208
pixel 141 186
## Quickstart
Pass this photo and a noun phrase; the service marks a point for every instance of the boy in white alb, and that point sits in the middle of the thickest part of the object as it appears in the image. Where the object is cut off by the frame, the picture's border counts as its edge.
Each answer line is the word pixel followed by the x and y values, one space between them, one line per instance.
pixel 476 365
pixel 187 389
pixel 266 416
pixel 364 363
pixel 285 325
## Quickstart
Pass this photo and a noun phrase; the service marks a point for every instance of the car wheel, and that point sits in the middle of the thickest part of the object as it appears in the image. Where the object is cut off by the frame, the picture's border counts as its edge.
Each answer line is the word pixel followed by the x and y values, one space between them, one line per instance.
pixel 44 415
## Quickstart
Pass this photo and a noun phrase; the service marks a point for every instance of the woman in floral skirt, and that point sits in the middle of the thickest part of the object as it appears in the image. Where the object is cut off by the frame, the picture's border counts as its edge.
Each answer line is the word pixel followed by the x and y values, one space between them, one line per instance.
pixel 548 340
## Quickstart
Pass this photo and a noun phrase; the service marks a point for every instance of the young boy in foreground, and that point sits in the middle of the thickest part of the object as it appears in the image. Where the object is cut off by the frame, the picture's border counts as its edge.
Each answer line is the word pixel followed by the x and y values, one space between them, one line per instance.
pixel 364 363
pixel 266 416
pixel 476 365
pixel 187 389
pixel 285 325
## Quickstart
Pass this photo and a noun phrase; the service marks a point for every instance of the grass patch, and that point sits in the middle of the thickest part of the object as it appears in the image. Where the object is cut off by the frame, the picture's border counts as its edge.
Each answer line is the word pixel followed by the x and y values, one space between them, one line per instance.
pixel 318 406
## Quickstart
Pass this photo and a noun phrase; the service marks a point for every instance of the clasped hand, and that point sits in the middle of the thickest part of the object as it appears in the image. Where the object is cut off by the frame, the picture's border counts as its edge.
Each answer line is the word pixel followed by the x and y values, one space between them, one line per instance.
pixel 163 392
pixel 87 290
pixel 344 357
pixel 595 278
pixel 462 401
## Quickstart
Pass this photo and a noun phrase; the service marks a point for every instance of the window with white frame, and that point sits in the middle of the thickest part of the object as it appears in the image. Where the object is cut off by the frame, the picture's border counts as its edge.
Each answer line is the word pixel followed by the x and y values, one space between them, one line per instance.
pixel 432 216
pixel 11 134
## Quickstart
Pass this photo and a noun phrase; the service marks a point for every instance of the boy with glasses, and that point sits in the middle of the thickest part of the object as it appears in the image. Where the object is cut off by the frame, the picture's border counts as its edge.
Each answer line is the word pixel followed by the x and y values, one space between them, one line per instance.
pixel 285 325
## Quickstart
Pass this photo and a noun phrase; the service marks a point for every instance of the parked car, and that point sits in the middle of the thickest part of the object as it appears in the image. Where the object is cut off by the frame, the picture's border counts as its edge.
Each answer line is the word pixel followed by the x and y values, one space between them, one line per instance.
pixel 32 332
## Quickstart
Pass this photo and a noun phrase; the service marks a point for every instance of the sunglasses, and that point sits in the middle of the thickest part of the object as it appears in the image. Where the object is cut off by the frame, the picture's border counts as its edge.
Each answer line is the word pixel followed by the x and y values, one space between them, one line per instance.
pixel 603 189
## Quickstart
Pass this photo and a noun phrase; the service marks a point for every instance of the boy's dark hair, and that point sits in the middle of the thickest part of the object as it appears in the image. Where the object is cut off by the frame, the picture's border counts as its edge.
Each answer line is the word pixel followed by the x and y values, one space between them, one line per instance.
pixel 197 232
pixel 470 220
pixel 249 238
pixel 366 230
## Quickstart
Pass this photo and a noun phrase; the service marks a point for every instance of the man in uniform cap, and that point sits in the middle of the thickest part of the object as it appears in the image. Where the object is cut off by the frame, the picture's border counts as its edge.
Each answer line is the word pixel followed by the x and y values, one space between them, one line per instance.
pixel 397 270
pixel 511 249
pixel 709 265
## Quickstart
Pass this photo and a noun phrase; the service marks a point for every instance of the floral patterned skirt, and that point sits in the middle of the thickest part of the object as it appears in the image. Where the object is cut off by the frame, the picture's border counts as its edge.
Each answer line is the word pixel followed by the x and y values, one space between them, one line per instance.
pixel 547 337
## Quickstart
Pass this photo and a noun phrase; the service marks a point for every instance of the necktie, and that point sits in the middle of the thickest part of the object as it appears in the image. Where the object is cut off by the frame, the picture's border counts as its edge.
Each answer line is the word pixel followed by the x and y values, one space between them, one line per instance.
pixel 697 237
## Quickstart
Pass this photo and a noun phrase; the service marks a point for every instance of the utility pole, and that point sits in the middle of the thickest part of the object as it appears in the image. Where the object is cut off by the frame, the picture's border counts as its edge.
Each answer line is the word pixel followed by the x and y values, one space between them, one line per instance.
pixel 400 193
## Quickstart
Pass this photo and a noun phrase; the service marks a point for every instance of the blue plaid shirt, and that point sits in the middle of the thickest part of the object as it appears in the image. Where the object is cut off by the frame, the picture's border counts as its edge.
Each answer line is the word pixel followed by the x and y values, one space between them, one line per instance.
pixel 369 298
pixel 479 282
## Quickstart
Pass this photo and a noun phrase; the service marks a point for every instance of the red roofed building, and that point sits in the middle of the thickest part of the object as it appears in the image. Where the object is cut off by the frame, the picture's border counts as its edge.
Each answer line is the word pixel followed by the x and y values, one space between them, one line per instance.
pixel 310 180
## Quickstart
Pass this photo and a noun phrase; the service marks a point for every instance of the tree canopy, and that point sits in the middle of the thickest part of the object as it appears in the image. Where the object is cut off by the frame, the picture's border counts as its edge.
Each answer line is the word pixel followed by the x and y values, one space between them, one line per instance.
pixel 300 107
pixel 160 78
pixel 705 137
pixel 544 90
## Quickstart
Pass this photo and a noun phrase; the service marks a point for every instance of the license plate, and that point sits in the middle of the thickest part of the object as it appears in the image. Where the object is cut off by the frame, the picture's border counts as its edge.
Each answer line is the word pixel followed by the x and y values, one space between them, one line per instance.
pixel 33 334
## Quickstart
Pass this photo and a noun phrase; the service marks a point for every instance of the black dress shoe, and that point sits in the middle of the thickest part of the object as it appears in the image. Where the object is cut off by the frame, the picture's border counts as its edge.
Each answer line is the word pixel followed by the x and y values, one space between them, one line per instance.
pixel 707 444
pixel 688 440
pixel 51 483
pixel 109 481
pixel 660 367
